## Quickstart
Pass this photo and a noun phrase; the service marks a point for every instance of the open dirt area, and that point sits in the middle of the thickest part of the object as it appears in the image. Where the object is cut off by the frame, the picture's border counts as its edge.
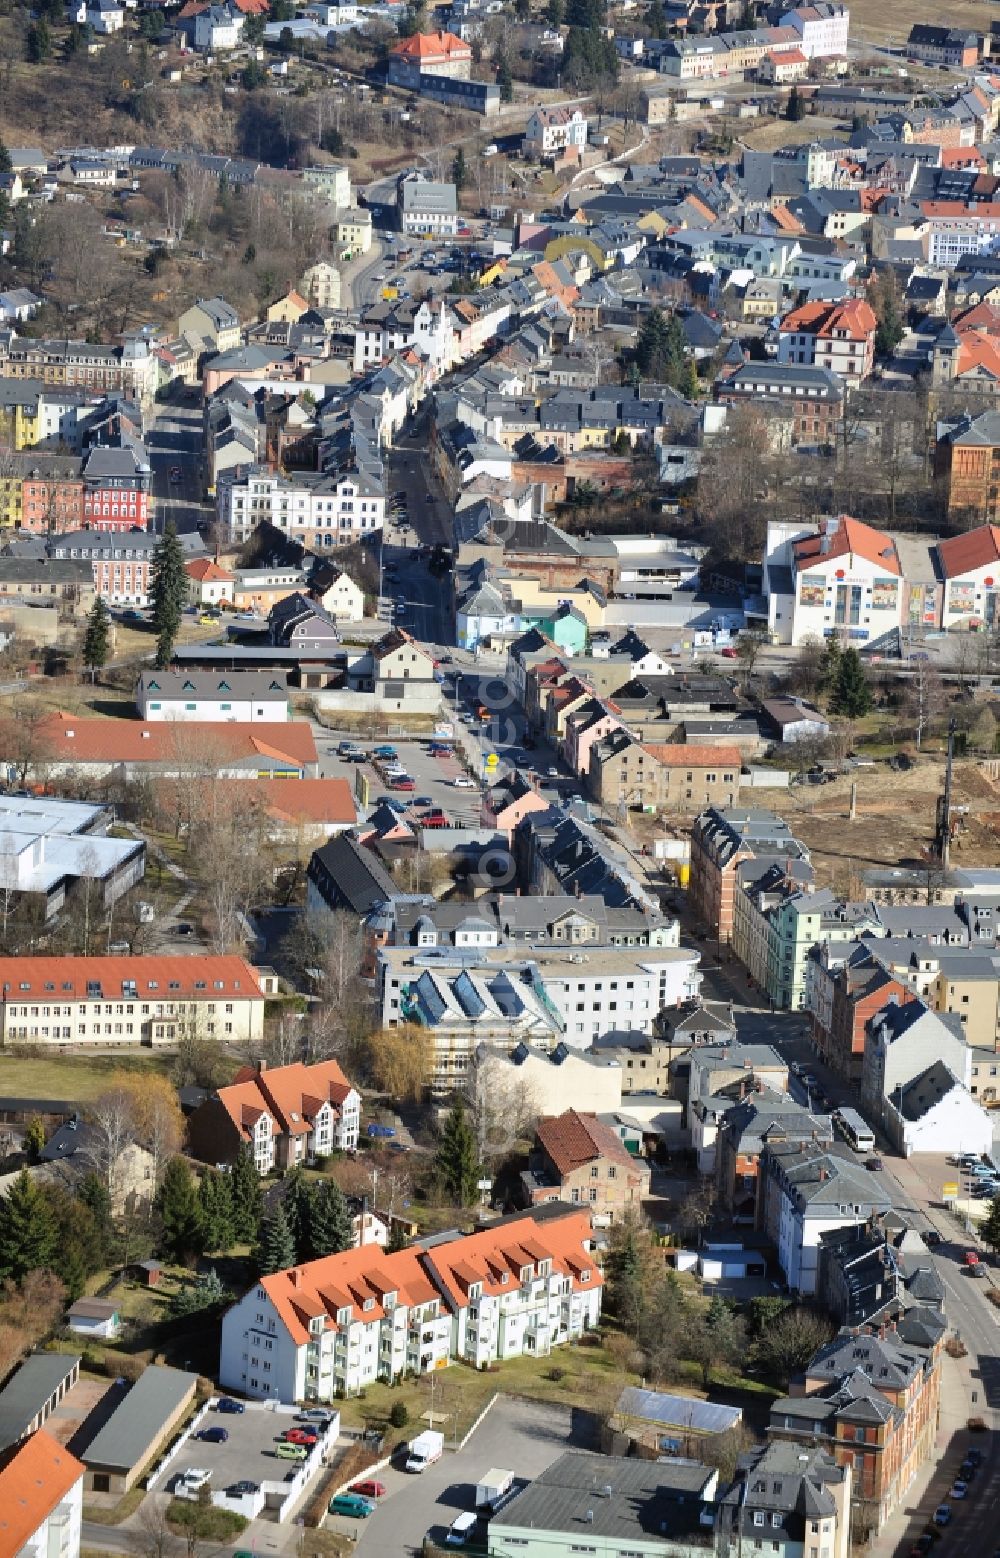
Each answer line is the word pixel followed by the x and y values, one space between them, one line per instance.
pixel 777 133
pixel 894 822
pixel 889 21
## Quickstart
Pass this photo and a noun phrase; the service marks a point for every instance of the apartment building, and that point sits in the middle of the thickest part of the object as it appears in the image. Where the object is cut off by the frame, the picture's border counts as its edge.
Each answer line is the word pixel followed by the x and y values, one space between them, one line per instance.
pixel 41 492
pixel 790 1501
pixel 803 1193
pixel 844 989
pixel 131 369
pixel 839 337
pixel 285 1115
pixel 822 29
pixel 235 697
pixel 720 841
pixel 552 130
pixel 120 562
pixel 330 1327
pixel 41 1499
pixel 112 1001
pixel 116 488
pixel 871 1402
pixel 440 54
pixel 317 510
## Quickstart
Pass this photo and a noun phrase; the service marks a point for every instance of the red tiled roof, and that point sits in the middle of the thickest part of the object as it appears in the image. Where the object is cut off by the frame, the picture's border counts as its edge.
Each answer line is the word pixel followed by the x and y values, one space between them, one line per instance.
pixel 36 1476
pixel 67 739
pixel 292 1095
pixel 205 568
pixel 843 537
pixel 432 46
pixel 856 318
pixel 572 1139
pixel 192 977
pixel 485 1257
pixel 979 548
pixel 690 755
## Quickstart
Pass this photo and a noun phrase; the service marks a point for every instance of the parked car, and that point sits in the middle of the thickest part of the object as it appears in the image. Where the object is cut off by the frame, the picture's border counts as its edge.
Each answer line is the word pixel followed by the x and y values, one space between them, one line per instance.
pixel 404 782
pixel 226 1403
pixel 380 1132
pixel 958 1489
pixel 942 1515
pixel 352 1504
pixel 970 1258
pixel 729 654
pixel 874 1164
pixel 422 800
pixel 315 1415
pixel 370 1487
pixel 213 1435
pixel 931 1237
pixel 306 1436
pixel 290 1452
pixel 237 1489
pixel 463 782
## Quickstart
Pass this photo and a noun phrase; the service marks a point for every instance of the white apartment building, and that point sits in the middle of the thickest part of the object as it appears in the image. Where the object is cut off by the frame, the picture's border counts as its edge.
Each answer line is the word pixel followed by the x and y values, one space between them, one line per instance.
pixel 823 29
pixel 843 577
pixel 41 1500
pixel 228 697
pixel 333 1326
pixel 131 1000
pixel 554 129
pixel 319 511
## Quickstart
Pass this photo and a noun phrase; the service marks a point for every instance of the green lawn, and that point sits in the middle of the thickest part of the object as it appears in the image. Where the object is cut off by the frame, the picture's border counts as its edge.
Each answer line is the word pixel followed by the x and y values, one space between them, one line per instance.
pixel 75 1078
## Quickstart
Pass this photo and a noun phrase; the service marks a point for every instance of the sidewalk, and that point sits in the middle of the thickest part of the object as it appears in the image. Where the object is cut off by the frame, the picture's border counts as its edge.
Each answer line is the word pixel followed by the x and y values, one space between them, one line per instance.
pixel 929 1486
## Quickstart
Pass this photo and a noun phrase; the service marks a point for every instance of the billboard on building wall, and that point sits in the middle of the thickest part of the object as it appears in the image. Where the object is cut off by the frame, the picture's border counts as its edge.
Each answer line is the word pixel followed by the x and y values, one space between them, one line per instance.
pixel 884 594
pixel 812 593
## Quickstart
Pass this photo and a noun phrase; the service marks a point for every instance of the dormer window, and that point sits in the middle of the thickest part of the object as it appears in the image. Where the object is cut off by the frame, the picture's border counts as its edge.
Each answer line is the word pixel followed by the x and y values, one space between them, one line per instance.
pixel 585 1274
pixel 504 1278
pixel 316 1325
pixel 526 1273
pixel 368 1305
pixel 475 1291
pixel 344 1315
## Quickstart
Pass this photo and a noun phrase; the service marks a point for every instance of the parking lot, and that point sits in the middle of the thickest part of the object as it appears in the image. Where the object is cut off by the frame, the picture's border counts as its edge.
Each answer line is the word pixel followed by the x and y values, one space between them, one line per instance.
pixel 433 777
pixel 247 1455
pixel 520 1436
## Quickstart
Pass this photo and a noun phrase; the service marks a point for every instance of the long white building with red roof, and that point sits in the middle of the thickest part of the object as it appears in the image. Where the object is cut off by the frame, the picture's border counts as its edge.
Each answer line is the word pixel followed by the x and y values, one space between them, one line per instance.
pixel 332 1326
pixel 131 1000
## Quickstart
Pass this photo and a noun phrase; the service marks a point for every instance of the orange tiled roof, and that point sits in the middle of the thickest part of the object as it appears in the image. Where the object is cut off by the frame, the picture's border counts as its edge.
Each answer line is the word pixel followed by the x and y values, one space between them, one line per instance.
pixel 66 739
pixel 185 978
pixel 433 45
pixel 856 318
pixel 36 1476
pixel 203 568
pixel 680 754
pixel 845 536
pixel 485 1257
pixel 322 1287
pixel 292 1095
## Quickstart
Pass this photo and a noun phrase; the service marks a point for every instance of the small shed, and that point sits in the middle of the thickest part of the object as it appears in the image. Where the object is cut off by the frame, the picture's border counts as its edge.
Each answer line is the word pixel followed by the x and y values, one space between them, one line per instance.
pixel 669 1424
pixel 94 1317
pixel 148 1272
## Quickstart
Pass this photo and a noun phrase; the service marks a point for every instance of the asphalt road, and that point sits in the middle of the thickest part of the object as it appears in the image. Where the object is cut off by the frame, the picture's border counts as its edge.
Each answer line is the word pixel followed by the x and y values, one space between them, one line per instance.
pixel 174 444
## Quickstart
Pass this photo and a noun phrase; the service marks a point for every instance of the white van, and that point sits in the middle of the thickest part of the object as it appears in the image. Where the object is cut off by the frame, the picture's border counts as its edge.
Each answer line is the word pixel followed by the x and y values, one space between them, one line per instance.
pixel 461 1529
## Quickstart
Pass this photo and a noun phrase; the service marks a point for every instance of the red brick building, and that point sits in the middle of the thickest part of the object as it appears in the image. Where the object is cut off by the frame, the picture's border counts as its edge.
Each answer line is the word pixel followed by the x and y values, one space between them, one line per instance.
pixel 577 1158
pixel 52 496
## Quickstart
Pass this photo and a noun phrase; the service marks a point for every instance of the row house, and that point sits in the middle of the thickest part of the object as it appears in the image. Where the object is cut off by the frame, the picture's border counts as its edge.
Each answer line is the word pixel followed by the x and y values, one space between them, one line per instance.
pixel 131 369
pixel 331 1327
pixel 673 776
pixel 285 1115
pixel 41 493
pixel 804 1192
pixel 112 1001
pixel 837 336
pixel 844 989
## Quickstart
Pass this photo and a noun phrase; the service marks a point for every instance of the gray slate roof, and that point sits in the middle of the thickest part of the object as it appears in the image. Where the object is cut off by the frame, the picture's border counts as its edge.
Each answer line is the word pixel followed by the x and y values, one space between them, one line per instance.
pixel 23 1397
pixel 132 1430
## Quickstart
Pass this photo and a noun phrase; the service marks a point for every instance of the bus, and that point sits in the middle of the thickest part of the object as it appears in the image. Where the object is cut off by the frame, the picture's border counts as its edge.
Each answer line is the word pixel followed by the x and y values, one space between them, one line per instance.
pixel 856 1131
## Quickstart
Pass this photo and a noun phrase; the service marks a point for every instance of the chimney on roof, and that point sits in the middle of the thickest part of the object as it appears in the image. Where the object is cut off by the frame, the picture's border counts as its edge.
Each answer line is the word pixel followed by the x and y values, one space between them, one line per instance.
pixel 293 1276
pixel 823 1174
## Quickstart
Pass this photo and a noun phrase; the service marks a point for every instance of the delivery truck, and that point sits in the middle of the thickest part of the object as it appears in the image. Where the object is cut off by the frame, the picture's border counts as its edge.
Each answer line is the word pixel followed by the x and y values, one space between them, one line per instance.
pixel 492 1486
pixel 424 1450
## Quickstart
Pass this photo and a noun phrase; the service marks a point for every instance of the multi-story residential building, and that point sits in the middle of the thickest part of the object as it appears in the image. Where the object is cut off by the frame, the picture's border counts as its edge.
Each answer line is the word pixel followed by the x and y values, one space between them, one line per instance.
pixel 778 921
pixel 285 1115
pixel 844 988
pixel 843 578
pixel 675 777
pixel 317 510
pixel 720 841
pixel 578 1158
pixel 40 492
pixel 822 29
pixel 121 563
pixel 116 483
pixel 743 1131
pixel 839 337
pixel 803 1193
pixel 428 208
pixel 552 130
pixel 787 1500
pixel 871 1402
pixel 333 181
pixel 942 45
pixel 964 981
pixel 45 581
pixel 111 1001
pixel 915 1082
pixel 321 284
pixel 438 54
pixel 41 1495
pixel 131 368
pixel 333 1326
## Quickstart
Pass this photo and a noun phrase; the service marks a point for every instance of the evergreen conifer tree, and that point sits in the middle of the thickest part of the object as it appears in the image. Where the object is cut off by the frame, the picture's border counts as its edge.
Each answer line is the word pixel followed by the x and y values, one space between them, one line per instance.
pixel 168 592
pixel 177 1204
pixel 246 1197
pixel 457 1157
pixel 27 1229
pixel 277 1248
pixel 329 1221
pixel 97 639
pixel 215 1210
pixel 852 696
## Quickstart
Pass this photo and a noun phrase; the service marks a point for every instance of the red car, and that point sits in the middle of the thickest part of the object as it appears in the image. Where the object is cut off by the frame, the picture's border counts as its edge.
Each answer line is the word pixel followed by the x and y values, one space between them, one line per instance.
pixel 729 654
pixel 434 819
pixel 304 1436
pixel 370 1488
pixel 404 784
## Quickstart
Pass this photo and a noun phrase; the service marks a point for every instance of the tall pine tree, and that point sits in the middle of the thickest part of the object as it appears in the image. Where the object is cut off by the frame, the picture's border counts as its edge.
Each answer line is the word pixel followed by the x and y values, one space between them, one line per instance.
pixel 329 1220
pixel 277 1249
pixel 168 591
pixel 27 1229
pixel 97 639
pixel 177 1204
pixel 215 1211
pixel 852 696
pixel 296 1201
pixel 248 1206
pixel 458 1158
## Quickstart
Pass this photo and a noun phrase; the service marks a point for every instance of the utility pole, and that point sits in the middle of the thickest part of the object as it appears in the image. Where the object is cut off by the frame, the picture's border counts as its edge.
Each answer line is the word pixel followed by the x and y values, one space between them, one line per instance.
pixel 942 839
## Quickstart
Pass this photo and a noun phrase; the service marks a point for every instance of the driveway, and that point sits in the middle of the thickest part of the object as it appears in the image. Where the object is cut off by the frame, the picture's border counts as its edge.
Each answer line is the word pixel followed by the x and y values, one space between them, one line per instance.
pixel 522 1437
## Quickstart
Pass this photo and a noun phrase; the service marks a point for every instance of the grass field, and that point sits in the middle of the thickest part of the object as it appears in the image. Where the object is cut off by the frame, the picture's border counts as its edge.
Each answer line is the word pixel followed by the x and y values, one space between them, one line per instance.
pixel 889 21
pixel 75 1078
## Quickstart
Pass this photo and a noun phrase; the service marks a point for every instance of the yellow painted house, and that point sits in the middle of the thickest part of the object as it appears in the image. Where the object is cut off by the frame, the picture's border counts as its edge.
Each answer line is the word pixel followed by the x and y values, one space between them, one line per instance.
pixel 20 415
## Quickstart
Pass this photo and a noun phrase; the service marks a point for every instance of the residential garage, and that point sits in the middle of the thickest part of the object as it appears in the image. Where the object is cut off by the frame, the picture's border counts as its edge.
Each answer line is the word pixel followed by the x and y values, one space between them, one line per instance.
pixel 136 1430
pixel 34 1393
